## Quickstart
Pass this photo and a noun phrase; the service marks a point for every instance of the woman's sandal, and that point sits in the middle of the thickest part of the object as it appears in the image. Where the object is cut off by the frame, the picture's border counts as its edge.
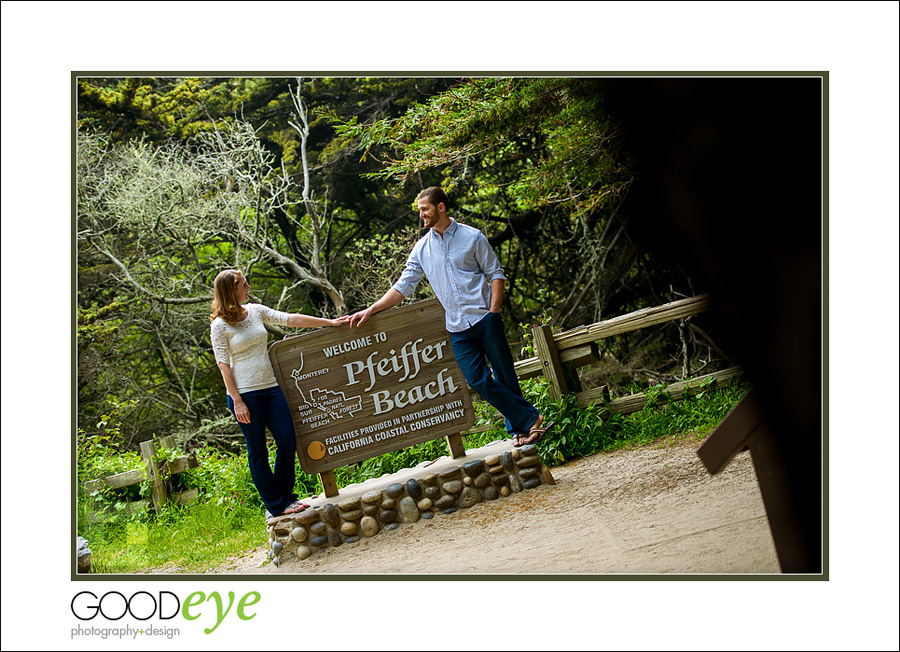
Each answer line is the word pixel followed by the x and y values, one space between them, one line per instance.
pixel 294 507
pixel 518 439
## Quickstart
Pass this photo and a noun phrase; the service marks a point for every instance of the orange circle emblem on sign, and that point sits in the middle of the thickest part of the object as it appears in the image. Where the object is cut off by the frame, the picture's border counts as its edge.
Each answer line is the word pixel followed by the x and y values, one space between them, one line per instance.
pixel 316 450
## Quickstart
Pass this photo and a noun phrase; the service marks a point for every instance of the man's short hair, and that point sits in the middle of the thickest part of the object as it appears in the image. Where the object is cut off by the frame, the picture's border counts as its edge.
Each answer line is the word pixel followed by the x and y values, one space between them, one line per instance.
pixel 435 195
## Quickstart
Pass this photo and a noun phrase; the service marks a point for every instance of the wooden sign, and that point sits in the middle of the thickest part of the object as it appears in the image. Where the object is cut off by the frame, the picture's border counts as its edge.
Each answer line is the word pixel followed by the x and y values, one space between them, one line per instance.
pixel 356 393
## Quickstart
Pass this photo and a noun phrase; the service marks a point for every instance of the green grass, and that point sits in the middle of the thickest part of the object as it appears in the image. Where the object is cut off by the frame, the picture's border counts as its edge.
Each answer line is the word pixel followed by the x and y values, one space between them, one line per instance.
pixel 190 539
pixel 227 519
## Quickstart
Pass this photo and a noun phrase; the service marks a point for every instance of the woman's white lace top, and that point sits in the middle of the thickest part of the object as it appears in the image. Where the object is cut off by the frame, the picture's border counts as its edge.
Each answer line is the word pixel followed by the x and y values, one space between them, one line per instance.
pixel 242 346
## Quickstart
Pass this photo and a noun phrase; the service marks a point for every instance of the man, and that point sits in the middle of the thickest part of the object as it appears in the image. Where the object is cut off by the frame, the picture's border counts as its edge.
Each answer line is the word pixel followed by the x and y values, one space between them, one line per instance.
pixel 467 279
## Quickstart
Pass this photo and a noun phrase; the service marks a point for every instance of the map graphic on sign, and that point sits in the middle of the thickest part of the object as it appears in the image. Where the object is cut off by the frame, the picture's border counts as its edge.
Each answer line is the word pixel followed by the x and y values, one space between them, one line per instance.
pixel 334 404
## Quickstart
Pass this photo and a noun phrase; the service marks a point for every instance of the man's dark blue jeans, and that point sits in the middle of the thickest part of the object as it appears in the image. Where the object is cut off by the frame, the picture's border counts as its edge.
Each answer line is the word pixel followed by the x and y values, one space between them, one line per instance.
pixel 474 348
pixel 269 408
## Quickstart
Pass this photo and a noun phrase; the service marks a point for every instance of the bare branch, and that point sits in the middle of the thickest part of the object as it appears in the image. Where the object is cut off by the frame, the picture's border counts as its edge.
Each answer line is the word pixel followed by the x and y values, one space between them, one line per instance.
pixel 167 300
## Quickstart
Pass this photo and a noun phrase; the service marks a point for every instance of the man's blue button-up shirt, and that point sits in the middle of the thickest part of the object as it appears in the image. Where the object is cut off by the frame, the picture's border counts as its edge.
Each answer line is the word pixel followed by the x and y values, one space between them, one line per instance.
pixel 460 267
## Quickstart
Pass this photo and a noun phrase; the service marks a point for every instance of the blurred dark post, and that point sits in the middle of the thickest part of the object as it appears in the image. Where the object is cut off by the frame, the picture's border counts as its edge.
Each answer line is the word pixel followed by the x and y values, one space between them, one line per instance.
pixel 730 189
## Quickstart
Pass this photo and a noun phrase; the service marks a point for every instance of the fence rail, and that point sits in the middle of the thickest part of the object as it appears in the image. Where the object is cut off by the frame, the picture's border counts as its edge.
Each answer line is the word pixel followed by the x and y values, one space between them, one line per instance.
pixel 560 354
pixel 159 494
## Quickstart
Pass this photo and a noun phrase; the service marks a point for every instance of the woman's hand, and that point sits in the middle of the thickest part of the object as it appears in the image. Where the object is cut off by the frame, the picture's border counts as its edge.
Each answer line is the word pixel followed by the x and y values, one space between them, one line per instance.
pixel 241 412
pixel 340 321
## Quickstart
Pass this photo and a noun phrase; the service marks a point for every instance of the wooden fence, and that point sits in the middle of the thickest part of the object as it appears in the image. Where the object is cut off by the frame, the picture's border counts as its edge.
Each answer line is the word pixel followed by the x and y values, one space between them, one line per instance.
pixel 559 355
pixel 159 492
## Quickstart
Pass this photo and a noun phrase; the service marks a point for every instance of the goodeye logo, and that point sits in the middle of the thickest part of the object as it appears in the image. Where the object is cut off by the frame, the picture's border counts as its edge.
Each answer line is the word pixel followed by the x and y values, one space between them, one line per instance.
pixel 165 605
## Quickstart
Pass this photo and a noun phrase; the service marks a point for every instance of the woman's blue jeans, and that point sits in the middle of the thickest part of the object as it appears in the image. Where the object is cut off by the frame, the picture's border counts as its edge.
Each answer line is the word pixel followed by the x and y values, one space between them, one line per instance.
pixel 474 348
pixel 269 408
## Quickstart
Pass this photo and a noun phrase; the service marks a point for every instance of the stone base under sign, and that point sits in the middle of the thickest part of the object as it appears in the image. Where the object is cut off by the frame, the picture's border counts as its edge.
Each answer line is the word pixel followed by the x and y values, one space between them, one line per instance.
pixel 441 486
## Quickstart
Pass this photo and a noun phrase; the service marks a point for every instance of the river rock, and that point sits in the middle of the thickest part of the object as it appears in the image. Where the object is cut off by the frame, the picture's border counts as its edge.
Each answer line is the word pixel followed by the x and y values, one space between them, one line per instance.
pixel 490 492
pixel 473 468
pixel 83 552
pixel 391 526
pixel 470 496
pixel 413 489
pixel 449 510
pixel 425 504
pixel 388 516
pixel 504 490
pixel 370 510
pixel 369 526
pixel 349 504
pixel 529 471
pixel 494 470
pixel 429 479
pixel 432 492
pixel 307 517
pixel 335 538
pixel 352 539
pixel 507 461
pixel 531 460
pixel 349 528
pixel 304 551
pixel 483 480
pixel 467 481
pixel 277 547
pixel 388 503
pixel 371 497
pixel 453 486
pixel 526 450
pixel 408 510
pixel 445 501
pixel 491 460
pixel 514 483
pixel 546 476
pixel 428 515
pixel 499 480
pixel 299 534
pixel 394 490
pixel 331 515
pixel 319 541
pixel 531 483
pixel 353 515
pixel 318 527
pixel 450 474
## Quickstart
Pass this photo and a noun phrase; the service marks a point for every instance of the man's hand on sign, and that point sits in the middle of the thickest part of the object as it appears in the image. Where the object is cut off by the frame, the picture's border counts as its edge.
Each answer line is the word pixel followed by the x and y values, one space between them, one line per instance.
pixel 359 318
pixel 390 299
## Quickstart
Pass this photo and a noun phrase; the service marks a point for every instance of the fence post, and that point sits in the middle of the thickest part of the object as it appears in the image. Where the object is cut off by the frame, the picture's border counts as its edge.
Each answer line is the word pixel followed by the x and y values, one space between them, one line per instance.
pixel 157 486
pixel 547 353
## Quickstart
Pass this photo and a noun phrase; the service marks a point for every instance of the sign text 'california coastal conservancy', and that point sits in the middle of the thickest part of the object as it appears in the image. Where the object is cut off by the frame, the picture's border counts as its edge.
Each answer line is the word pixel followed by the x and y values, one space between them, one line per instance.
pixel 356 393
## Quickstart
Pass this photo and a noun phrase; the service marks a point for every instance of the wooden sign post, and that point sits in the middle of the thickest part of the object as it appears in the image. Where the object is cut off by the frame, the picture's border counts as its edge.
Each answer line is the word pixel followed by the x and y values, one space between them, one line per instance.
pixel 356 393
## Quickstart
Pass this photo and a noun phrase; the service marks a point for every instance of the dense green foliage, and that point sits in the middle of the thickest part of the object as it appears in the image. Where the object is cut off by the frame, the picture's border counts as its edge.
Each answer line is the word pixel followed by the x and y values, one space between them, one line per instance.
pixel 309 187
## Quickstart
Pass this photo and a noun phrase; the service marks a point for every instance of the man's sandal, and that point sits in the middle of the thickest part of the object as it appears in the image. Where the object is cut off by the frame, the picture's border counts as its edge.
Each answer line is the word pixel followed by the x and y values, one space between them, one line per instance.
pixel 537 434
pixel 518 439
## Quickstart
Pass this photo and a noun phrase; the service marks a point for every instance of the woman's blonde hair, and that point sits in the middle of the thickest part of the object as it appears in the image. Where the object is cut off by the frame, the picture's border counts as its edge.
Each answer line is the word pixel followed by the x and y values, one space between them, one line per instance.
pixel 225 303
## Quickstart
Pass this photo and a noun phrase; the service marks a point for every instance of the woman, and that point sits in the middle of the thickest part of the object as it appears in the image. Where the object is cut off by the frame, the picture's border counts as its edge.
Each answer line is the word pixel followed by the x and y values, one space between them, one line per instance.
pixel 254 397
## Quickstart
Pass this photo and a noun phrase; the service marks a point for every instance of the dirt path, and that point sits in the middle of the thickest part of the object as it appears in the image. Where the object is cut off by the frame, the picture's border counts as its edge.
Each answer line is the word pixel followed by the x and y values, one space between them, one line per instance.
pixel 651 510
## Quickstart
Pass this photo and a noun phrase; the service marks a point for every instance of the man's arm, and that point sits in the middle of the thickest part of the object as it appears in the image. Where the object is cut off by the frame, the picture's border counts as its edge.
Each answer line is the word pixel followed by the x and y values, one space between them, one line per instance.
pixel 497 286
pixel 390 299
